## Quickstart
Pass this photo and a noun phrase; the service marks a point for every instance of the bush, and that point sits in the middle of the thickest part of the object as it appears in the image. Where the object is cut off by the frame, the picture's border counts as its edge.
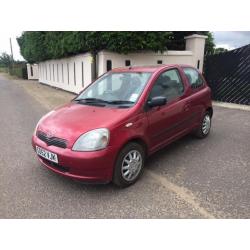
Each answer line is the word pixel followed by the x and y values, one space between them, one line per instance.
pixel 4 69
pixel 19 70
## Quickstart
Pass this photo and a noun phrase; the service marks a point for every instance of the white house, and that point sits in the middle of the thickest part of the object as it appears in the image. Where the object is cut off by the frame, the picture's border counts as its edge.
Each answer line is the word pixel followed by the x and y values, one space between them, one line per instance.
pixel 74 73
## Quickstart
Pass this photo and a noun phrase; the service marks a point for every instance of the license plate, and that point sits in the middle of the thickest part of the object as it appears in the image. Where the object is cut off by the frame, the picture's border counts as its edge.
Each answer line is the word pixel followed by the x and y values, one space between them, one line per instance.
pixel 46 154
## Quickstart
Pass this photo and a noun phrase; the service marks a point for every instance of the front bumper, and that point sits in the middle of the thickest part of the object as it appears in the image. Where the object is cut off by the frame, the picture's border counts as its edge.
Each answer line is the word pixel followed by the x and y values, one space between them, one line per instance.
pixel 96 166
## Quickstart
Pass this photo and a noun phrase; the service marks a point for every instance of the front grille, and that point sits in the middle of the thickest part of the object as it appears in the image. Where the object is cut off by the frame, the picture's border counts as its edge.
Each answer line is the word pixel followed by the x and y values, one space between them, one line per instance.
pixel 52 141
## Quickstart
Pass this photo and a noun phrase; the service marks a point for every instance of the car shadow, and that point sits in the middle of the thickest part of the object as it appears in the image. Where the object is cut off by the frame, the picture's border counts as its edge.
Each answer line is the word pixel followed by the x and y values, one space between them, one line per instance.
pixel 170 150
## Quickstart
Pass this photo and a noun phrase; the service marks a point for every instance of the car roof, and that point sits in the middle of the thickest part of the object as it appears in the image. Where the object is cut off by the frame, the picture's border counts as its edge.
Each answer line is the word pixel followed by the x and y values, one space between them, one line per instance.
pixel 148 68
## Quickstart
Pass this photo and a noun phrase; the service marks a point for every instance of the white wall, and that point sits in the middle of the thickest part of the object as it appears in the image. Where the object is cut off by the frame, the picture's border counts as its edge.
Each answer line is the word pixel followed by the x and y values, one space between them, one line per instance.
pixel 61 74
pixel 146 58
pixel 32 71
pixel 67 73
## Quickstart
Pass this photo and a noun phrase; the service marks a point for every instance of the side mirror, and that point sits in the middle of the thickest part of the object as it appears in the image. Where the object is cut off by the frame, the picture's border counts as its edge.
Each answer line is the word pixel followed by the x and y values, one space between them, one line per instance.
pixel 157 101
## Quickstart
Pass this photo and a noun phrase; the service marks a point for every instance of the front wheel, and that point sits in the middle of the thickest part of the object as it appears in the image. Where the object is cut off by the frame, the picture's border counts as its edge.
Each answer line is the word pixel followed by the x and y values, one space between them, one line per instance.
pixel 204 127
pixel 129 165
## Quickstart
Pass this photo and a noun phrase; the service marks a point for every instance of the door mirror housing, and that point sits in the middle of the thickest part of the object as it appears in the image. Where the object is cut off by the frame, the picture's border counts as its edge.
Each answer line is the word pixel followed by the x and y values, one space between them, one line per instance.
pixel 157 101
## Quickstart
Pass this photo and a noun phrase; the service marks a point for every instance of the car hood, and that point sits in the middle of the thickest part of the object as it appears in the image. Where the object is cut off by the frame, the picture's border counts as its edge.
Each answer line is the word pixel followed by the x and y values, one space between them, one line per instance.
pixel 70 121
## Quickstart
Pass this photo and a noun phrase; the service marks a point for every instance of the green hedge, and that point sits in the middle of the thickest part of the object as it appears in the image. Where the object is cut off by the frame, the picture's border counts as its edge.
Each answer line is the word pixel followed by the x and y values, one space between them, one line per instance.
pixel 19 70
pixel 4 69
pixel 36 46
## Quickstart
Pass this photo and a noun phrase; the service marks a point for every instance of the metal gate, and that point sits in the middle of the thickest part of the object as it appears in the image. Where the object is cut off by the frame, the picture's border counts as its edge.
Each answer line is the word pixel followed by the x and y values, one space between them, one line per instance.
pixel 228 75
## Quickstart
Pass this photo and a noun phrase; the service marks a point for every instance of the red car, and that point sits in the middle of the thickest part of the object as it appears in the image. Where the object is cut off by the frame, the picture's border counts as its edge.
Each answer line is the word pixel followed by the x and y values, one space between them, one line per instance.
pixel 108 130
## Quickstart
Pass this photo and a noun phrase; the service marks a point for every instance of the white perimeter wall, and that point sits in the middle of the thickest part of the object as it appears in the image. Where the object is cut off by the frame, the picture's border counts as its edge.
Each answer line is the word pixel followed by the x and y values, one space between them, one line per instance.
pixel 32 71
pixel 143 59
pixel 74 73
pixel 71 74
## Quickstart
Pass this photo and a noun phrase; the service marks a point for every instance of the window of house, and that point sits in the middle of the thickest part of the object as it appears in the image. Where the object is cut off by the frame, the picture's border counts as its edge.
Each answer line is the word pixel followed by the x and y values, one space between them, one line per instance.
pixel 194 78
pixel 31 70
pixel 127 63
pixel 169 85
pixel 159 62
pixel 109 65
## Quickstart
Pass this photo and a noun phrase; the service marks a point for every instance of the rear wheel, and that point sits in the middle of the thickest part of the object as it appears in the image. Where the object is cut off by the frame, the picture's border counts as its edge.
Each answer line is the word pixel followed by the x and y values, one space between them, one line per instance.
pixel 129 165
pixel 204 127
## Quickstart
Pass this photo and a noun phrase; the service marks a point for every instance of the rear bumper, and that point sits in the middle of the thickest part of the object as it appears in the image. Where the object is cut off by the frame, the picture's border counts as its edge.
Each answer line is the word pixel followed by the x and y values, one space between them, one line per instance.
pixel 94 166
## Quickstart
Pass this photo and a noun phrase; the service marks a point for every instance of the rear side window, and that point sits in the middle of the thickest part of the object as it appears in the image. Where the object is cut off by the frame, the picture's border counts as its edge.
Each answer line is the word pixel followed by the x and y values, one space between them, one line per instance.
pixel 194 78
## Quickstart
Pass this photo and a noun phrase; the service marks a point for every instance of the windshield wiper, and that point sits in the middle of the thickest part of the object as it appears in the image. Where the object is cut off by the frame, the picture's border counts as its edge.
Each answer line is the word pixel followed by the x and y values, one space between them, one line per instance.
pixel 120 102
pixel 90 100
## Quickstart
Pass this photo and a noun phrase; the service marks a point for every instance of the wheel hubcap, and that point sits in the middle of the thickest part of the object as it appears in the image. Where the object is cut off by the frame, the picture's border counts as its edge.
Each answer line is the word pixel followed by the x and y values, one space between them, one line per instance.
pixel 206 124
pixel 131 165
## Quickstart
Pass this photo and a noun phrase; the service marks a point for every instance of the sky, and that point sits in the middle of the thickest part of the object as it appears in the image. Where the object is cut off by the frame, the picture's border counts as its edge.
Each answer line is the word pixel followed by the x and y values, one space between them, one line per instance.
pixel 231 39
pixel 5 43
pixel 226 39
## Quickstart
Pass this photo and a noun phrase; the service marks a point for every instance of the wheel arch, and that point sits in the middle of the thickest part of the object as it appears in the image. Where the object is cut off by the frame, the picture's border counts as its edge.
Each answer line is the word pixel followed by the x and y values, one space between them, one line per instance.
pixel 139 141
pixel 210 111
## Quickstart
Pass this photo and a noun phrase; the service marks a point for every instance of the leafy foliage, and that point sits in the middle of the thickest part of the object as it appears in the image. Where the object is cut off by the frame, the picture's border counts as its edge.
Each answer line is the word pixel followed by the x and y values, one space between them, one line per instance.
pixel 177 41
pixel 219 50
pixel 5 60
pixel 39 46
pixel 32 46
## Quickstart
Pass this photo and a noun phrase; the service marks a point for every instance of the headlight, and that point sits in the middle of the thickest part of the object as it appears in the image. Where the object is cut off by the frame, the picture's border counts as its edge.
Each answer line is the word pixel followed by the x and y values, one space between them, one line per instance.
pixel 93 140
pixel 42 118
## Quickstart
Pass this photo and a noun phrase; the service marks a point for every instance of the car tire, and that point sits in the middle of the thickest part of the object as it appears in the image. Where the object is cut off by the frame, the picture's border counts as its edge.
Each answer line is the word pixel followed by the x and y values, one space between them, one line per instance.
pixel 129 165
pixel 205 126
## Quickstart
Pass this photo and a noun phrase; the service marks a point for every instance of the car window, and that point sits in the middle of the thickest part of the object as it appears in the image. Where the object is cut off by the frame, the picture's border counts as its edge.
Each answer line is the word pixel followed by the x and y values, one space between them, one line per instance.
pixel 124 86
pixel 194 78
pixel 169 85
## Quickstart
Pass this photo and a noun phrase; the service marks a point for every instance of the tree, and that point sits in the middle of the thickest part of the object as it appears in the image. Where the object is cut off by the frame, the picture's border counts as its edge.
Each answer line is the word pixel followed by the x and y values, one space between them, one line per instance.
pixel 177 41
pixel 209 44
pixel 5 60
pixel 220 50
pixel 32 46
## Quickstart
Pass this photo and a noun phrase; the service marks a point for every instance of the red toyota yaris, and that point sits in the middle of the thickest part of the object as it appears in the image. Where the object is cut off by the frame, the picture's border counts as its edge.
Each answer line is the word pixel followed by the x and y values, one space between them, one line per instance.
pixel 108 130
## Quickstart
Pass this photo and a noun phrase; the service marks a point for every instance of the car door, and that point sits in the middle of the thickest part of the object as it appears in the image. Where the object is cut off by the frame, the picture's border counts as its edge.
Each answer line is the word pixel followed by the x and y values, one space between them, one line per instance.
pixel 170 120
pixel 197 93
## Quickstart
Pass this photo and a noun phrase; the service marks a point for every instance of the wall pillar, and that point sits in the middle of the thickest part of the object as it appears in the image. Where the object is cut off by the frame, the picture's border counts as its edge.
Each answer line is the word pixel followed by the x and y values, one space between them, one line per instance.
pixel 196 44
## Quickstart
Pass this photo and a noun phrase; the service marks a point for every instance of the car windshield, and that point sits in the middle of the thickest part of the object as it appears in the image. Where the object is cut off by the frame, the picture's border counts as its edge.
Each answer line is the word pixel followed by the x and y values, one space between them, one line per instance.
pixel 122 89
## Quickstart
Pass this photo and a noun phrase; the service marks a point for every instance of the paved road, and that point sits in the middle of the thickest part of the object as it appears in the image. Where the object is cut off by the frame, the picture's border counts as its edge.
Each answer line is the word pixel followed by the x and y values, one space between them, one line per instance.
pixel 189 179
